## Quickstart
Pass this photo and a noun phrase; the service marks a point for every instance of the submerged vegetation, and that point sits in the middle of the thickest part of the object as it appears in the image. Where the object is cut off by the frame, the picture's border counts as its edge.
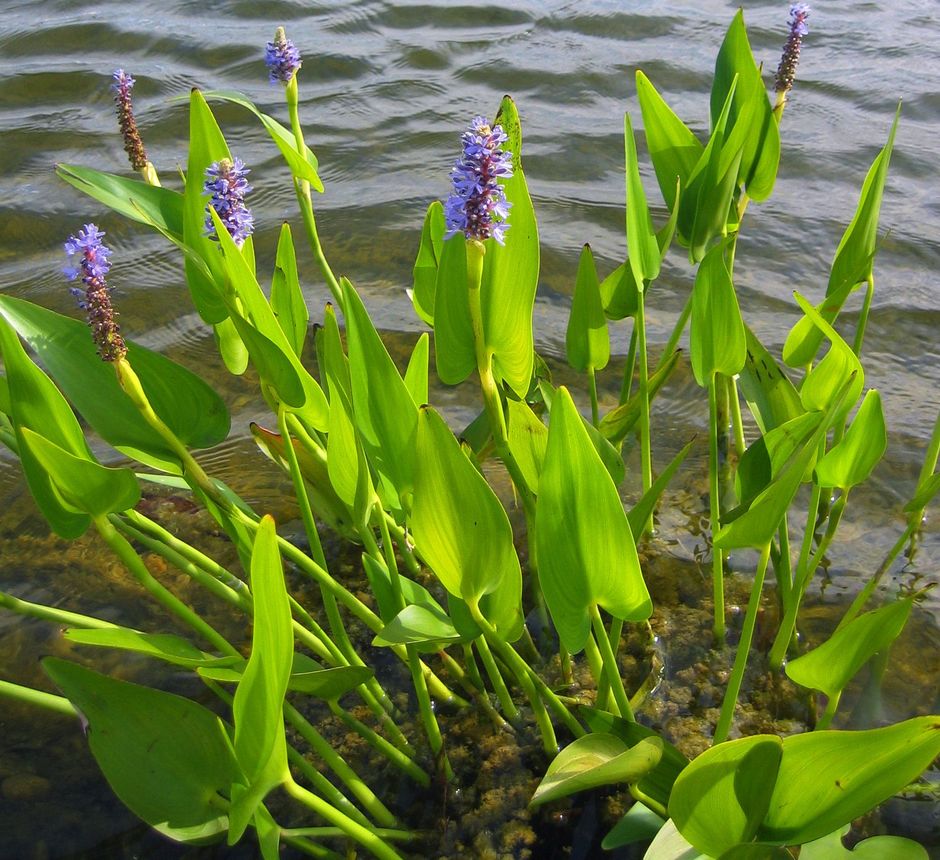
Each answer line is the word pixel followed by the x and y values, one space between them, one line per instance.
pixel 505 625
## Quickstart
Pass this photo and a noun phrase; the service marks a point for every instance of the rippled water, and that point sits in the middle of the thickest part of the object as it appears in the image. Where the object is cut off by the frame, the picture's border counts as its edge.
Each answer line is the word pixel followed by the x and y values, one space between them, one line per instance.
pixel 387 87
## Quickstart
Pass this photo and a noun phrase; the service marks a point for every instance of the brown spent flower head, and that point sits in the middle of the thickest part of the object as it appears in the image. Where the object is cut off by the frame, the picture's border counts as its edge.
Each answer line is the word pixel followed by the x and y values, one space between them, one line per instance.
pixel 133 145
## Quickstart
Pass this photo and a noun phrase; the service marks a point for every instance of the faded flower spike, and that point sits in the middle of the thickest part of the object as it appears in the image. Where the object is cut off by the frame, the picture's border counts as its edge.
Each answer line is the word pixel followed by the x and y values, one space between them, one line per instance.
pixel 282 58
pixel 93 266
pixel 786 71
pixel 478 207
pixel 133 145
pixel 227 184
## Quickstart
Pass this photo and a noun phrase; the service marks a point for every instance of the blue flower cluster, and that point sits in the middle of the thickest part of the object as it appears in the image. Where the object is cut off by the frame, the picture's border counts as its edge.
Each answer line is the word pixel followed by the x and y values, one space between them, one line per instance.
pixel 478 207
pixel 93 266
pixel 282 58
pixel 227 184
pixel 786 71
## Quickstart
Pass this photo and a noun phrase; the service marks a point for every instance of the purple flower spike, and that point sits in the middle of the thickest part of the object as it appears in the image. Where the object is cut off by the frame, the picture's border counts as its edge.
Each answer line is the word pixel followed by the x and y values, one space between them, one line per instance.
pixel 786 71
pixel 133 145
pixel 282 58
pixel 227 184
pixel 93 266
pixel 478 207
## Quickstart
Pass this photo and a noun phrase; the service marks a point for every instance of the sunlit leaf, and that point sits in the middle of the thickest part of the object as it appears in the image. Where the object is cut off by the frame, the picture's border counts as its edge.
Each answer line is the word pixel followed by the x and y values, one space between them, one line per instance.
pixel 584 545
pixel 771 396
pixel 595 760
pixel 427 262
pixel 418 625
pixel 260 744
pixel 642 247
pixel 874 848
pixel 164 646
pixel 166 758
pixel 287 299
pixel 860 450
pixel 416 374
pixel 587 341
pixel 831 666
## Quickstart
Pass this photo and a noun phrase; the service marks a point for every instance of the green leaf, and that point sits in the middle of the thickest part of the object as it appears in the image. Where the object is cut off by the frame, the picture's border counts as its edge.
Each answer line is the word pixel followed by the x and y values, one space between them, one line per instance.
pixel 861 449
pixel 260 745
pixel 827 779
pixel 772 398
pixel 669 845
pixel 705 203
pixel 187 404
pixel 751 115
pixel 673 149
pixel 82 483
pixel 5 405
pixel 595 760
pixel 716 337
pixel 831 666
pixel 658 783
pixel 511 271
pixel 270 349
pixel 722 797
pixel 587 341
pixel 874 848
pixel 36 404
pixel 640 824
pixel 643 249
pixel 528 437
pixel 164 646
pixel 330 683
pixel 418 625
pixel 856 252
pixel 639 515
pixel 924 494
pixel 457 522
pixel 416 374
pixel 287 299
pixel 413 592
pixel 428 261
pixel 583 541
pixel 165 757
pixel 383 411
pixel 302 165
pixel 619 293
pixel 454 350
pixel 134 199
pixel 827 381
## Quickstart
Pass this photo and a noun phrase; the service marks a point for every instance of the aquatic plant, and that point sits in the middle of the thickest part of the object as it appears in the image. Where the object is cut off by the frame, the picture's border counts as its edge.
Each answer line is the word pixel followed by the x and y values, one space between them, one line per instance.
pixel 449 595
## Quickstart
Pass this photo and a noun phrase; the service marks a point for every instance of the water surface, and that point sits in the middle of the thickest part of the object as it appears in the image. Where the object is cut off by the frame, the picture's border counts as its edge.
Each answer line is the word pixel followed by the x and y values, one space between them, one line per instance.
pixel 386 89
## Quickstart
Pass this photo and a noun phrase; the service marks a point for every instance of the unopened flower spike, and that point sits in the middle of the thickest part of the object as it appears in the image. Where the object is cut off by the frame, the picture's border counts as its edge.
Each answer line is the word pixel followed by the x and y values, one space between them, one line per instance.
pixel 133 145
pixel 227 184
pixel 478 207
pixel 282 58
pixel 92 266
pixel 786 71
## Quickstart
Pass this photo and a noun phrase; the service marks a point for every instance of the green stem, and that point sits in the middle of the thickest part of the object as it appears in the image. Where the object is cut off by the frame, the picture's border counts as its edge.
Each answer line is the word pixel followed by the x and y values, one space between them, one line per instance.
pixel 718 584
pixel 783 570
pixel 648 801
pixel 646 455
pixel 364 836
pixel 831 707
pixel 744 647
pixel 677 330
pixel 496 679
pixel 396 756
pixel 521 670
pixel 592 387
pixel 37 698
pixel 335 762
pixel 304 198
pixel 740 443
pixel 614 678
pixel 326 788
pixel 863 316
pixel 626 388
pixel 56 616
pixel 125 552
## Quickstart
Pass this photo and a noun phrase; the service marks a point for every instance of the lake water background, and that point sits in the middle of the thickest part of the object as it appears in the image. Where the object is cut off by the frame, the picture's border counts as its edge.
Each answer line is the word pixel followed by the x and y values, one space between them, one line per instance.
pixel 386 89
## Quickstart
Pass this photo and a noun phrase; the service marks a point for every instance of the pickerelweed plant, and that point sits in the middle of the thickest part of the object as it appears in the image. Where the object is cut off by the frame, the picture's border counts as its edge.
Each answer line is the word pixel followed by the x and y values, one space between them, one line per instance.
pixel 370 459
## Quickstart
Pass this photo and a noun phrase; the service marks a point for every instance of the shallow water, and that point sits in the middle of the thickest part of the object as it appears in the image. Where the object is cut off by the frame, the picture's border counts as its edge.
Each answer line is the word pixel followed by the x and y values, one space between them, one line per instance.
pixel 386 88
